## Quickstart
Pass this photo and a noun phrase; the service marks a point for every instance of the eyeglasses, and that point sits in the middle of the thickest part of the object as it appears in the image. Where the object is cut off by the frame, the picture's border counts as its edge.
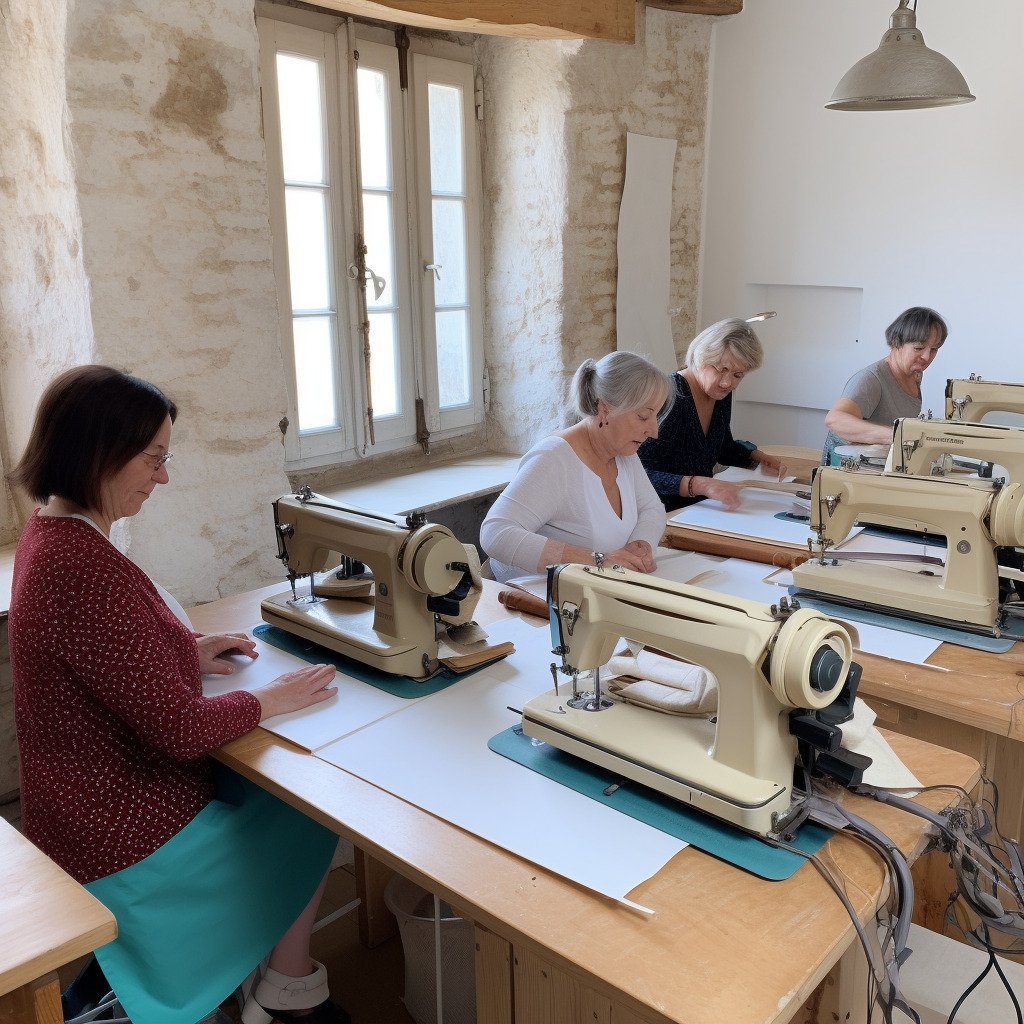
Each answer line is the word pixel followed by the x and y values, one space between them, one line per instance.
pixel 156 461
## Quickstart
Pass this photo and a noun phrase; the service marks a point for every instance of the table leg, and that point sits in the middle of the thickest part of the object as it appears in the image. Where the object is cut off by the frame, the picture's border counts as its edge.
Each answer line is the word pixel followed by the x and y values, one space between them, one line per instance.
pixel 35 1003
pixel 842 996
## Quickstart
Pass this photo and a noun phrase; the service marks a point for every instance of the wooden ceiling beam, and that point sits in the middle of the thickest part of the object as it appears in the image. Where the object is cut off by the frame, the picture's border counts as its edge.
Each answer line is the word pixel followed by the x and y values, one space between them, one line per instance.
pixel 613 20
pixel 698 6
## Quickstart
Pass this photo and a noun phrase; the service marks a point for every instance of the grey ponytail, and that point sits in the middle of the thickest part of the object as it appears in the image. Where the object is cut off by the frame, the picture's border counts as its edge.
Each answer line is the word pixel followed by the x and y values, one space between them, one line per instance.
pixel 622 379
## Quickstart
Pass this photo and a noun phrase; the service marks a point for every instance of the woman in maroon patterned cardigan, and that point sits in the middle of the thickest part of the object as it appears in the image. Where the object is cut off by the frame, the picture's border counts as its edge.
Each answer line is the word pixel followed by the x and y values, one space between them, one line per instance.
pixel 115 734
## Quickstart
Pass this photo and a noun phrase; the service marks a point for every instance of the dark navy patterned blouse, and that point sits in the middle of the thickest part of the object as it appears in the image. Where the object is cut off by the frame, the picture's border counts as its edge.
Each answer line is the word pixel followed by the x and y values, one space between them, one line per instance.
pixel 683 449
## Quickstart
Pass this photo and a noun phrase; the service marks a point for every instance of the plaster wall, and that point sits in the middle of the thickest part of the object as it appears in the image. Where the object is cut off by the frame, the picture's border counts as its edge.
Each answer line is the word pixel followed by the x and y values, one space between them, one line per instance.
pixel 554 153
pixel 909 207
pixel 172 186
pixel 44 294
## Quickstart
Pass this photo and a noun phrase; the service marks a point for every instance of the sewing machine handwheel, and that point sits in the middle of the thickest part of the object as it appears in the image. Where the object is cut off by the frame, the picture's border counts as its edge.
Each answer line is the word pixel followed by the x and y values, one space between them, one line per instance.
pixel 804 660
pixel 1006 519
pixel 427 555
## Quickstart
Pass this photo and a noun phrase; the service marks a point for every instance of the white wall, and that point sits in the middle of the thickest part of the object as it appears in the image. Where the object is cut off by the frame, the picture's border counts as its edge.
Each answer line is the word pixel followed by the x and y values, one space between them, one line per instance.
pixel 912 207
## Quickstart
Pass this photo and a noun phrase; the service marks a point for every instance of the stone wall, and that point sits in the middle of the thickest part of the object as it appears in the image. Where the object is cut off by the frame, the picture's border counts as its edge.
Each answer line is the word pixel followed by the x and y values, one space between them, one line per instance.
pixel 172 184
pixel 174 238
pixel 554 165
pixel 44 295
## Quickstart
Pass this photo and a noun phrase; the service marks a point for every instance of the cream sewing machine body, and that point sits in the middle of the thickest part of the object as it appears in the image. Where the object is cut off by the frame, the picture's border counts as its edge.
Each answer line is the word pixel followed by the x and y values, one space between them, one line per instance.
pixel 926 447
pixel 767 660
pixel 418 571
pixel 974 516
pixel 970 399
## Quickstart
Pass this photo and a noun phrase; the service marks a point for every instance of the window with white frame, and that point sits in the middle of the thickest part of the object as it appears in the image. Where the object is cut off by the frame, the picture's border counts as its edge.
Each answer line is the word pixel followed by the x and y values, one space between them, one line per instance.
pixel 375 210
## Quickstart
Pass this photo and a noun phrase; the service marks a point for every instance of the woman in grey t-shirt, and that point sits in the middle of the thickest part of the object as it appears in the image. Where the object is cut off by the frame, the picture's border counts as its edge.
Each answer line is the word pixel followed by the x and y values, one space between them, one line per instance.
pixel 889 389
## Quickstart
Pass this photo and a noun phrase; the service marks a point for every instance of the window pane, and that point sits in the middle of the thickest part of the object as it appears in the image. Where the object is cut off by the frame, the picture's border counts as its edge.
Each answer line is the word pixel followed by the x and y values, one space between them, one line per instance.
pixel 380 256
pixel 374 132
pixel 306 215
pixel 383 365
pixel 450 251
pixel 452 357
pixel 314 372
pixel 298 93
pixel 445 105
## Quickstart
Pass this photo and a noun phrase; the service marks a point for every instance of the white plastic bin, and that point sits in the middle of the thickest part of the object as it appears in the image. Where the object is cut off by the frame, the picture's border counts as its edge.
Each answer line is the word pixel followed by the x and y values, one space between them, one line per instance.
pixel 413 907
pixel 939 970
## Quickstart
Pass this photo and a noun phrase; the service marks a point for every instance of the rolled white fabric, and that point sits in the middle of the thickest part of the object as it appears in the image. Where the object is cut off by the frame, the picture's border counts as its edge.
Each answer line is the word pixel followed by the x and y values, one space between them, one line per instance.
pixel 674 686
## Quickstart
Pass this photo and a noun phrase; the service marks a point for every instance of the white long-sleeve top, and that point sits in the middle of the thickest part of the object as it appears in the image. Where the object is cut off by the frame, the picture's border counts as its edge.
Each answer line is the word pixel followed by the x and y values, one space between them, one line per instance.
pixel 555 497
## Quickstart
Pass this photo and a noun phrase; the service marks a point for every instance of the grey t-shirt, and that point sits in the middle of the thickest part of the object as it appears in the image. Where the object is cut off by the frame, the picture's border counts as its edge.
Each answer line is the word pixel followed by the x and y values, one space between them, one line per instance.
pixel 879 398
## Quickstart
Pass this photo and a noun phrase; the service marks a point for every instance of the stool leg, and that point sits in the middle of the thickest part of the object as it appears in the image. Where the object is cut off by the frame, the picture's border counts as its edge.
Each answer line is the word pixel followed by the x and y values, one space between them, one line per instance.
pixel 376 923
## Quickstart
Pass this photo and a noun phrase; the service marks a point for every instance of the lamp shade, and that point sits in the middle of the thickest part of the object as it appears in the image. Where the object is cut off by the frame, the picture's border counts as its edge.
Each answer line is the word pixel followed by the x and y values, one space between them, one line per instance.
pixel 902 74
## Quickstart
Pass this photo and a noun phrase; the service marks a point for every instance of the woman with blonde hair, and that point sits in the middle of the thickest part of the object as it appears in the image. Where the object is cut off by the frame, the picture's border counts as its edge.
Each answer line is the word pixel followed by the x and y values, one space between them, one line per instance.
pixel 696 435
pixel 581 495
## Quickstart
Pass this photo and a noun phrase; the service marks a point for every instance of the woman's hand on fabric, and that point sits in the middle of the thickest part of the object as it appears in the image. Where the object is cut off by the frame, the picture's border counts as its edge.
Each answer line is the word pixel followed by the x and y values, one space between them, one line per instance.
pixel 629 558
pixel 727 494
pixel 215 648
pixel 296 690
pixel 643 550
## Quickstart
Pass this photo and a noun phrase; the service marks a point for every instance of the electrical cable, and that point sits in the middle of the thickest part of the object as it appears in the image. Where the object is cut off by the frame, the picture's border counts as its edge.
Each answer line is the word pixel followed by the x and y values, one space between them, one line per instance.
pixel 970 988
pixel 978 865
pixel 879 972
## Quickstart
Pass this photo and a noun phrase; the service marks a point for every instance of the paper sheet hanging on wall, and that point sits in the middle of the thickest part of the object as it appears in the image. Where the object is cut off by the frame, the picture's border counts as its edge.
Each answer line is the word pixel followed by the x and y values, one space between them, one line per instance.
pixel 642 321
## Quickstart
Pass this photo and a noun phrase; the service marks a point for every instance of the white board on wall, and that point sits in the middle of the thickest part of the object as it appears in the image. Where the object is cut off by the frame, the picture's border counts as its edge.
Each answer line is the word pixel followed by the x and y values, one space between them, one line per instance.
pixel 811 348
pixel 642 320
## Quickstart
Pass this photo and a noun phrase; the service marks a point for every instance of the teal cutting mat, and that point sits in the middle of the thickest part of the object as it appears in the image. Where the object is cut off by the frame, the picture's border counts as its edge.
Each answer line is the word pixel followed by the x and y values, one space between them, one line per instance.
pixel 398 686
pixel 659 811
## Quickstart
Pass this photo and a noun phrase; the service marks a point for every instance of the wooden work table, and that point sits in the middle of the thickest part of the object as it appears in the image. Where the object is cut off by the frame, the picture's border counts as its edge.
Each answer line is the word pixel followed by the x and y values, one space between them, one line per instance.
pixel 722 946
pixel 49 920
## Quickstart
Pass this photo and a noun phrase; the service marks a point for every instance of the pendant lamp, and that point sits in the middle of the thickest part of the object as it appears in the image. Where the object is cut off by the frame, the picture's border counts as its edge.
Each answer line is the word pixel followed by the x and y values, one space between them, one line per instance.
pixel 902 74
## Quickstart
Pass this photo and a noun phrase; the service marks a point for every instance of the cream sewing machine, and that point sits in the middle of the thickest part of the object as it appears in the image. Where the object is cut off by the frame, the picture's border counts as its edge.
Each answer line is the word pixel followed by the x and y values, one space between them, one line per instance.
pixel 925 447
pixel 418 570
pixel 971 398
pixel 768 661
pixel 974 516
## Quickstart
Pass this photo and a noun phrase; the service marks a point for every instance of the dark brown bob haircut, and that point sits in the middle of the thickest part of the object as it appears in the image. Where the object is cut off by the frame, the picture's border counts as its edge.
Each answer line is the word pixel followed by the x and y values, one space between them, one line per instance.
pixel 914 326
pixel 91 422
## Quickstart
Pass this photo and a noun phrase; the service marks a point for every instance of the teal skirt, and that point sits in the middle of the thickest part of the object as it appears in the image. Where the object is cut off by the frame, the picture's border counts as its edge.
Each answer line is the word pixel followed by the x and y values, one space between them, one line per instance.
pixel 197 915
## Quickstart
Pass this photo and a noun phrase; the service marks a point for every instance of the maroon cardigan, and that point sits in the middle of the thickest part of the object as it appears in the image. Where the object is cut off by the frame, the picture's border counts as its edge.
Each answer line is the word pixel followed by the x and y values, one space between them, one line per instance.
pixel 113 729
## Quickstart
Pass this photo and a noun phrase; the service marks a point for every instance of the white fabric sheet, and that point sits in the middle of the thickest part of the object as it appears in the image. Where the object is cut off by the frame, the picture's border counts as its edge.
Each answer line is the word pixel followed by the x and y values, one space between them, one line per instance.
pixel 643 321
pixel 435 755
pixel 355 705
pixel 754 518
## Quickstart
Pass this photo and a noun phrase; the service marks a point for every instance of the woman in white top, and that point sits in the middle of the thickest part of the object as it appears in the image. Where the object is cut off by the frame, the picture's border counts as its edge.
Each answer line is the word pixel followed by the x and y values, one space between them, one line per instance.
pixel 581 495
